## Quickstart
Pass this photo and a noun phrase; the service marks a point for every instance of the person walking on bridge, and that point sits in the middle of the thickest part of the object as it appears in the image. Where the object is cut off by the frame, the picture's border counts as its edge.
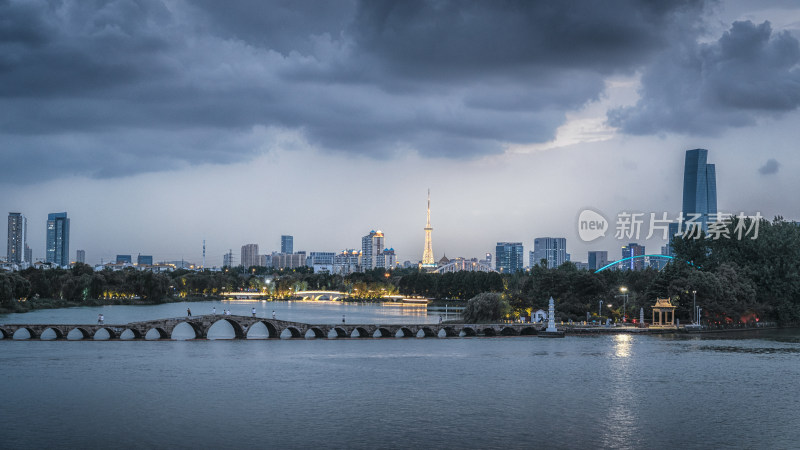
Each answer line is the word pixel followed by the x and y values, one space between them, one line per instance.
pixel 214 310
pixel 273 314
pixel 342 318
pixel 188 312
pixel 100 319
pixel 253 311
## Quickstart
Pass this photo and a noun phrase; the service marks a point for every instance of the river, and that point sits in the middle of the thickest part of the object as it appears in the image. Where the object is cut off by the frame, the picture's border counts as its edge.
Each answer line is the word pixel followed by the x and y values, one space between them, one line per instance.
pixel 731 390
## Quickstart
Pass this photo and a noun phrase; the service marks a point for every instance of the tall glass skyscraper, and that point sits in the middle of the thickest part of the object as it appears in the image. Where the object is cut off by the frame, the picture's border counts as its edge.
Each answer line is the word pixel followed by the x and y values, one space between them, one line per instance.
pixel 287 244
pixel 699 186
pixel 58 239
pixel 17 237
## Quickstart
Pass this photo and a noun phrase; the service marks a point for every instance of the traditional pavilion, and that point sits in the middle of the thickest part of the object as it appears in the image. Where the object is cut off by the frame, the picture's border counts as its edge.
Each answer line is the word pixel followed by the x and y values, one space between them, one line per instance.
pixel 663 314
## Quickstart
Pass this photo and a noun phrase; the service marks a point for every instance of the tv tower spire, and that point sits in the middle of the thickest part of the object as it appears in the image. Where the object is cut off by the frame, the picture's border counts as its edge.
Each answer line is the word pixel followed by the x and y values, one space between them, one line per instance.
pixel 427 254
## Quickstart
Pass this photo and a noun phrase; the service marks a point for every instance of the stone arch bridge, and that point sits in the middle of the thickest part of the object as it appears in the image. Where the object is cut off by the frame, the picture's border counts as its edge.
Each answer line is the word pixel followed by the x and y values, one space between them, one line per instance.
pixel 245 327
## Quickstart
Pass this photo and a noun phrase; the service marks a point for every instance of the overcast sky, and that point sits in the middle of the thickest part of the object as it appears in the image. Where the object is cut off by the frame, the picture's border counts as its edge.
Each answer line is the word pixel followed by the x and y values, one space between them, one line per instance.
pixel 157 124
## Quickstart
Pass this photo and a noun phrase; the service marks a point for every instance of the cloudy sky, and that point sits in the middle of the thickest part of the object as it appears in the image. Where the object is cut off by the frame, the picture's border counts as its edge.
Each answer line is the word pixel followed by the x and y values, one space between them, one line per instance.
pixel 157 124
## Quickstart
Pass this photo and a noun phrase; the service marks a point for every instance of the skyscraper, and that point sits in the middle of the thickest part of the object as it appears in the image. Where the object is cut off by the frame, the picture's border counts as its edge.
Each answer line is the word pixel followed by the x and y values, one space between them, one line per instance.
pixel 17 238
pixel 631 250
pixel 250 256
pixel 287 244
pixel 57 251
pixel 553 250
pixel 427 253
pixel 598 260
pixel 699 186
pixel 508 257
pixel 80 256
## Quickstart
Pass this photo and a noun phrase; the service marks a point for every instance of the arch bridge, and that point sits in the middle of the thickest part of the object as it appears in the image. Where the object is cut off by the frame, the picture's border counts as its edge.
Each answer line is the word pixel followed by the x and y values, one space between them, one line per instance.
pixel 246 327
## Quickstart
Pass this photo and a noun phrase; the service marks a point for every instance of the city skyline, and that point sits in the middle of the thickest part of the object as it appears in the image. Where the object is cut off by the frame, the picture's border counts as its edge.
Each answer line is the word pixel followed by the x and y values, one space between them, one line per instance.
pixel 323 127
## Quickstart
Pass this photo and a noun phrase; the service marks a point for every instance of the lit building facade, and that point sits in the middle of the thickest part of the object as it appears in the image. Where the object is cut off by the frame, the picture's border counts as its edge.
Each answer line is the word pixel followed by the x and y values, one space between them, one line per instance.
pixel 631 250
pixel 371 246
pixel 347 262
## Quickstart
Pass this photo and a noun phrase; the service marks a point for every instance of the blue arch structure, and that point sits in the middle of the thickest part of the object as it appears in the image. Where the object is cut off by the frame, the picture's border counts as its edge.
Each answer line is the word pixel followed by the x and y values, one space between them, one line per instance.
pixel 632 257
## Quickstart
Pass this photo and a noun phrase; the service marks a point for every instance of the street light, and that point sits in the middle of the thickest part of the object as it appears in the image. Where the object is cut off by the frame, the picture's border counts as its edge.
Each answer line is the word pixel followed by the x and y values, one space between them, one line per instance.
pixel 624 291
pixel 600 309
pixel 694 307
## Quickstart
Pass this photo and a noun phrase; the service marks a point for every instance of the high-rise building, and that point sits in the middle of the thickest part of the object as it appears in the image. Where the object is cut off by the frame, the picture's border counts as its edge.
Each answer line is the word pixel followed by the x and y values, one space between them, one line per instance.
pixel 250 256
pixel 80 256
pixel 17 238
pixel 57 251
pixel 553 250
pixel 28 254
pixel 347 262
pixel 227 259
pixel 629 251
pixel 699 187
pixel 287 244
pixel 124 259
pixel 427 253
pixel 288 260
pixel 144 260
pixel 386 259
pixel 508 257
pixel 371 246
pixel 598 260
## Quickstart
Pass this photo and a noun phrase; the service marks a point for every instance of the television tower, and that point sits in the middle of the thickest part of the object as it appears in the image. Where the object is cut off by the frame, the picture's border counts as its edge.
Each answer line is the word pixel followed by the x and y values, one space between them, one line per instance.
pixel 204 254
pixel 427 254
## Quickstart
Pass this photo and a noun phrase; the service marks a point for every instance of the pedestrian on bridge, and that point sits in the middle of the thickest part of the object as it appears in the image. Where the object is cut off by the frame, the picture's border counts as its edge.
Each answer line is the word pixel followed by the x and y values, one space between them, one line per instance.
pixel 273 315
pixel 214 310
pixel 254 312
pixel 188 312
pixel 100 319
pixel 342 318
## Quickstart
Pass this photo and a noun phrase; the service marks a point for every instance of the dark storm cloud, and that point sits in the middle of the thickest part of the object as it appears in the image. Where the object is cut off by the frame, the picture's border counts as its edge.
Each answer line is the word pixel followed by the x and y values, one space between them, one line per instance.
pixel 749 73
pixel 115 88
pixel 771 167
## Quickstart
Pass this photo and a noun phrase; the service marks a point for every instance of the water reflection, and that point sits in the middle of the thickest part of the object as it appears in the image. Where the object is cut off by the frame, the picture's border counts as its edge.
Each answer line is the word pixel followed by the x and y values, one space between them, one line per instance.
pixel 622 345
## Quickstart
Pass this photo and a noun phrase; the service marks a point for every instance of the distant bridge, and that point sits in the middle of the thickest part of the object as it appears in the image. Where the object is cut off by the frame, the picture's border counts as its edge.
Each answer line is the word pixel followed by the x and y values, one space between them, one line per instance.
pixel 245 327
pixel 629 258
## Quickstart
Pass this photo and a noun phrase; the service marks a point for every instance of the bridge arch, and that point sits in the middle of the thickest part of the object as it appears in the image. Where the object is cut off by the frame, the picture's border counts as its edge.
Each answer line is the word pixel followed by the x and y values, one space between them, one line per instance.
pixel 180 330
pixel 337 332
pixel 104 334
pixel 489 332
pixel 424 332
pixel 4 334
pixel 262 329
pixel 382 333
pixel 630 258
pixel 50 334
pixel 156 333
pixel 404 332
pixel 238 331
pixel 467 331
pixel 359 332
pixel 508 331
pixel 130 334
pixel 78 333
pixel 24 333
pixel 446 332
pixel 290 333
pixel 528 331
pixel 314 333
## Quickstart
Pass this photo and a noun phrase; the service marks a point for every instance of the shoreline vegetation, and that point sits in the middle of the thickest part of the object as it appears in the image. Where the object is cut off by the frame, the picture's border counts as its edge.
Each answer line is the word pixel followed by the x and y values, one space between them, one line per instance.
pixel 736 282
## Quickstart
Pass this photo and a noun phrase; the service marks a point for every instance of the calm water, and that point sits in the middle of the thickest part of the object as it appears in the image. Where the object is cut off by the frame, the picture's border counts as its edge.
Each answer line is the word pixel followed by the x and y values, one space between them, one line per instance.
pixel 576 392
